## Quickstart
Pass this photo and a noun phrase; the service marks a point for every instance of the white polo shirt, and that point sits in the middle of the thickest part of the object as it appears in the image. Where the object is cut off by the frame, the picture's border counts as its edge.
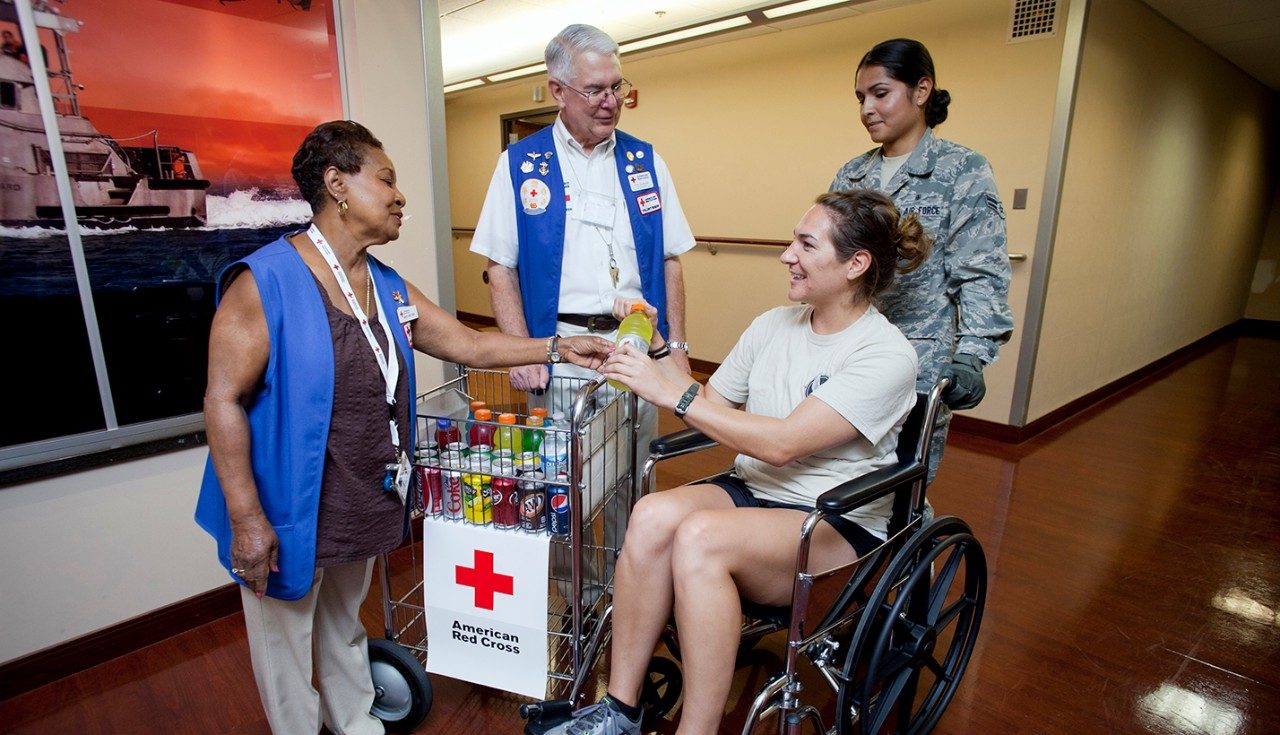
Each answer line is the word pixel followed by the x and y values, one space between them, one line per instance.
pixel 585 284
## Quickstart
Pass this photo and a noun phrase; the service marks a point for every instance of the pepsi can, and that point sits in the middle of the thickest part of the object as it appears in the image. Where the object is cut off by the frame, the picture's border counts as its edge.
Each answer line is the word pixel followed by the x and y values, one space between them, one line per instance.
pixel 558 519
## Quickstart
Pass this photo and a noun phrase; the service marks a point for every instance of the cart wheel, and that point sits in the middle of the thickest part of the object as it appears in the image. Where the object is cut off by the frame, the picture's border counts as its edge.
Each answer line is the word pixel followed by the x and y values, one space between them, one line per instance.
pixel 914 638
pixel 401 690
pixel 662 685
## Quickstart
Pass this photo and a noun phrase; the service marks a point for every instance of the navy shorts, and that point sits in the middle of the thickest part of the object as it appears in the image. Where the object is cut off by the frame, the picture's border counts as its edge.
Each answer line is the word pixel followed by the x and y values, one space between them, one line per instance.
pixel 858 537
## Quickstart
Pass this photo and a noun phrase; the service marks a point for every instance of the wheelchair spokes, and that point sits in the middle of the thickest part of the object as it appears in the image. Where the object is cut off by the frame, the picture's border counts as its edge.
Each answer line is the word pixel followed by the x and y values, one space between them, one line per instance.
pixel 912 616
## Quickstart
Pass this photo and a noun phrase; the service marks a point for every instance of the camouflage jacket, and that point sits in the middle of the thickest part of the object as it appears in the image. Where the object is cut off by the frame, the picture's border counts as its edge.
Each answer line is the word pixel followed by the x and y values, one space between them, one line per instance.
pixel 957 301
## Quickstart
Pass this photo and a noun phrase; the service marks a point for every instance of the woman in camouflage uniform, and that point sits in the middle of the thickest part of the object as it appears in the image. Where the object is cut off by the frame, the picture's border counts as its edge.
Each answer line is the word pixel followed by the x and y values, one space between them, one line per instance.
pixel 954 308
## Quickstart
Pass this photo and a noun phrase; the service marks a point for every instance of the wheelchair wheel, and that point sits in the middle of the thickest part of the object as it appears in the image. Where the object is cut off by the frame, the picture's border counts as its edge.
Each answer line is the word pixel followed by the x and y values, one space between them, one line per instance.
pixel 401 691
pixel 914 639
pixel 662 686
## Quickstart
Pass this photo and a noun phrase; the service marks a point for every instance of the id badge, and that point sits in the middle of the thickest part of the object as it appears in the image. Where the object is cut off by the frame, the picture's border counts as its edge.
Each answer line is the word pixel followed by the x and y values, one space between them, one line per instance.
pixel 404 473
pixel 595 209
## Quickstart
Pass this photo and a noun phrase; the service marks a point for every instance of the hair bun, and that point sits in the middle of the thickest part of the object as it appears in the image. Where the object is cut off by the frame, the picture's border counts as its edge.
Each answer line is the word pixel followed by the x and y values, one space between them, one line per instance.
pixel 935 110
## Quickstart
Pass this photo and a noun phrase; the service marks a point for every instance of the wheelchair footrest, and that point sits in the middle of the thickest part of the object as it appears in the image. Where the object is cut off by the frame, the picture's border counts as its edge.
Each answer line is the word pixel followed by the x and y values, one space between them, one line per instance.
pixel 543 716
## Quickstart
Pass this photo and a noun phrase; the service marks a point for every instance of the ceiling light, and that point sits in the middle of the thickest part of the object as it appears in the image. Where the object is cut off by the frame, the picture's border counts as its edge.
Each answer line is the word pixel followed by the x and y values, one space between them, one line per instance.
pixel 681 35
pixel 800 7
pixel 523 72
pixel 463 85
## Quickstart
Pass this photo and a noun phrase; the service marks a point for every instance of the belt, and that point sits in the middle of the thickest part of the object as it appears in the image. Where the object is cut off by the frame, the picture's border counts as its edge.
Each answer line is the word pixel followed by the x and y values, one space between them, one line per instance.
pixel 593 322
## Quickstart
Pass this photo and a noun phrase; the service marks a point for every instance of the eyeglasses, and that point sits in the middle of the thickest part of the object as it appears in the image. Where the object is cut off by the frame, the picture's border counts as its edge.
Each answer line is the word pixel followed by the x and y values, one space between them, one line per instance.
pixel 596 97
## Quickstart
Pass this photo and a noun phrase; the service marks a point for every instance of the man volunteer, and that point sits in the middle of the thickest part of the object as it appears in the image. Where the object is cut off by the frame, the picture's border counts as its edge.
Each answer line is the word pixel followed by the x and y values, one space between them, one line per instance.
pixel 578 215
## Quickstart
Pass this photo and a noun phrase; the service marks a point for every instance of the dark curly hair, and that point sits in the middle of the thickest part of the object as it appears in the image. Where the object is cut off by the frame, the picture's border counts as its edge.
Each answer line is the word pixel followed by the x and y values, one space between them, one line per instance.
pixel 865 219
pixel 341 144
pixel 909 61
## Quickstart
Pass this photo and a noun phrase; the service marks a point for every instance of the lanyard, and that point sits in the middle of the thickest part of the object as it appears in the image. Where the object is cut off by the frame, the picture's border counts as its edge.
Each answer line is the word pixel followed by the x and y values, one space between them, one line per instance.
pixel 390 368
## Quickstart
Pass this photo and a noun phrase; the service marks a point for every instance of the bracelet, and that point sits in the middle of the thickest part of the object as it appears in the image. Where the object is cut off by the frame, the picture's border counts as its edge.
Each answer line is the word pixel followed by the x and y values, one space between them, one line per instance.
pixel 659 354
pixel 682 406
pixel 678 345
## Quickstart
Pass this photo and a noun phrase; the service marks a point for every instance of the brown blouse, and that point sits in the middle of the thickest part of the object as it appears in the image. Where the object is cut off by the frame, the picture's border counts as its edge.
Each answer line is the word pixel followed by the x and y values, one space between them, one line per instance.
pixel 357 518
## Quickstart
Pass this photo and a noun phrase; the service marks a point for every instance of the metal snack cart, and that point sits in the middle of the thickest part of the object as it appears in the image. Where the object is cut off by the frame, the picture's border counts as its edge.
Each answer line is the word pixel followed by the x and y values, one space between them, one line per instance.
pixel 598 436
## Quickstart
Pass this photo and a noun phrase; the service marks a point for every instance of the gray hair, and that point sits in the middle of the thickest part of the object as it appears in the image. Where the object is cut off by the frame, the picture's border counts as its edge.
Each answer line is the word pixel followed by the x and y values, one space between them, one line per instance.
pixel 573 40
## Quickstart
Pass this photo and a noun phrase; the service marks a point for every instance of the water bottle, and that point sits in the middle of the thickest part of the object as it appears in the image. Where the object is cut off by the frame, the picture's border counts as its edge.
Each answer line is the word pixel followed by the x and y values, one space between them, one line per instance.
pixel 471 419
pixel 508 437
pixel 533 435
pixel 635 330
pixel 481 433
pixel 555 446
pixel 447 433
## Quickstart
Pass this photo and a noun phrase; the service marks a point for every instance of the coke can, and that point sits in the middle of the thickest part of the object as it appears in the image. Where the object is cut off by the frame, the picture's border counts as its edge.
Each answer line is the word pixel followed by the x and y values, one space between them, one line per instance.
pixel 451 480
pixel 558 519
pixel 432 490
pixel 533 502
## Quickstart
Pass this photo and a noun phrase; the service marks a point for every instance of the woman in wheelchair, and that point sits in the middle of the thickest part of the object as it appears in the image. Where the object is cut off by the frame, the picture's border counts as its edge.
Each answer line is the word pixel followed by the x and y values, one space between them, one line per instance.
pixel 812 395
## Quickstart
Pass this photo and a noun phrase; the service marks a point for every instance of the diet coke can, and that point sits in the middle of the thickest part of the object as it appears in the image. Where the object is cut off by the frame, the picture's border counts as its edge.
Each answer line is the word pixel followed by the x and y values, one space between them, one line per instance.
pixel 432 490
pixel 451 481
pixel 558 519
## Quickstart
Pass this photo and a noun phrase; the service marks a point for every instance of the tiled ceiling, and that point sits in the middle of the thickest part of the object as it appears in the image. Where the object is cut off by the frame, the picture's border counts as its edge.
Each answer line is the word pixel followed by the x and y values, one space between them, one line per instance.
pixel 1245 32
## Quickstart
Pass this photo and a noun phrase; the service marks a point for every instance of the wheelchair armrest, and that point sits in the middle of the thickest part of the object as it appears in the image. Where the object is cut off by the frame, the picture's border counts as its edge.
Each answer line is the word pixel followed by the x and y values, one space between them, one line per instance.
pixel 872 486
pixel 680 442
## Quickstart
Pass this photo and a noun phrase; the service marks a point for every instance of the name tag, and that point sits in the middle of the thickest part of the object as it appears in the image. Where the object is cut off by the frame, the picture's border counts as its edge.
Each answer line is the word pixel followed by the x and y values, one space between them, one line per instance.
pixel 594 208
pixel 407 313
pixel 649 202
pixel 640 181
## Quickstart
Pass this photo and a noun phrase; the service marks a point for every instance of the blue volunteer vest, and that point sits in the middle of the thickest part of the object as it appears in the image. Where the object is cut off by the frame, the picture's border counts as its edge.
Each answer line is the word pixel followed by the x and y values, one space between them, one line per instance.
pixel 289 416
pixel 540 231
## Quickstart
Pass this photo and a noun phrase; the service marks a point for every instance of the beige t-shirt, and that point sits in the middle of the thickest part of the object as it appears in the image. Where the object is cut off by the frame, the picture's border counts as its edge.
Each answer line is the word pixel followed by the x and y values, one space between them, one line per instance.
pixel 866 372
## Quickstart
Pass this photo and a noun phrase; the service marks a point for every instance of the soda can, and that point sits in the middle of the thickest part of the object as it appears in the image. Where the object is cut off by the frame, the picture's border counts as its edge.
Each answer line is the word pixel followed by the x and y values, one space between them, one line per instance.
pixel 501 456
pixel 526 462
pixel 455 453
pixel 533 502
pixel 558 519
pixel 506 502
pixel 481 450
pixel 451 480
pixel 432 490
pixel 477 501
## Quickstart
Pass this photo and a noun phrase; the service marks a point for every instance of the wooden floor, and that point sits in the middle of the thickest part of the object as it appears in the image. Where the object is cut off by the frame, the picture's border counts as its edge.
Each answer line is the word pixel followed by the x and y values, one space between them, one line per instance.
pixel 1134 585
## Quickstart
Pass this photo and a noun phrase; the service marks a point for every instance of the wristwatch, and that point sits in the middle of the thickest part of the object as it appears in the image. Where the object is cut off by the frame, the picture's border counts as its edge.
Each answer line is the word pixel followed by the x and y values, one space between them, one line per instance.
pixel 679 346
pixel 553 349
pixel 690 393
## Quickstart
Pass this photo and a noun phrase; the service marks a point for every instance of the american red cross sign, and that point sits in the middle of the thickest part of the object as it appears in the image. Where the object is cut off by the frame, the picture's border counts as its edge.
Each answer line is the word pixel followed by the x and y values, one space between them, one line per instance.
pixel 484 579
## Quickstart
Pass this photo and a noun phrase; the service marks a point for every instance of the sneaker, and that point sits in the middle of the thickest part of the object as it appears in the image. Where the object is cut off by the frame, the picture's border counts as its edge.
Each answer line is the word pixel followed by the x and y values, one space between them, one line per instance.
pixel 598 719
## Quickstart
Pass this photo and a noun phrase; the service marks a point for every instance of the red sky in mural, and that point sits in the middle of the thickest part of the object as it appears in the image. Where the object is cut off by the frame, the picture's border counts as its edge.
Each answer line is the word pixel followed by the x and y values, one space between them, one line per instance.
pixel 238 84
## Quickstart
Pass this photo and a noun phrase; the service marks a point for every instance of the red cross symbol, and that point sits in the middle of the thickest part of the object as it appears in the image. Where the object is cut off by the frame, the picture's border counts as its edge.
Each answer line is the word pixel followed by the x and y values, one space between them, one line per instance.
pixel 485 581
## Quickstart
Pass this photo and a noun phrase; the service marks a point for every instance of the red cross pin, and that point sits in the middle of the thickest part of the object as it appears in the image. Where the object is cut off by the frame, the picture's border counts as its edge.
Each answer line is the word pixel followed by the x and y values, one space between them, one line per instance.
pixel 486 582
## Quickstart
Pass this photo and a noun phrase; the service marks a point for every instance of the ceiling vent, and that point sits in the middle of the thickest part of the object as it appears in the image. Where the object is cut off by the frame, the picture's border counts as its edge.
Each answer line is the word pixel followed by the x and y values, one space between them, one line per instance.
pixel 1032 19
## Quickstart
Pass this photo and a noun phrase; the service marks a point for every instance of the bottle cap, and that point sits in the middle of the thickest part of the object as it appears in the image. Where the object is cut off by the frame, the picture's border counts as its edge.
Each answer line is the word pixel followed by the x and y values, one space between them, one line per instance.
pixel 483 414
pixel 533 421
pixel 477 405
pixel 637 307
pixel 506 418
pixel 538 411
pixel 443 423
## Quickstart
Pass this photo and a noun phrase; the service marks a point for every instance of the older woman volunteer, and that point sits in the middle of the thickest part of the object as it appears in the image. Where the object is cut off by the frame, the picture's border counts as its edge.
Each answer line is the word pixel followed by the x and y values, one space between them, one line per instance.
pixel 309 411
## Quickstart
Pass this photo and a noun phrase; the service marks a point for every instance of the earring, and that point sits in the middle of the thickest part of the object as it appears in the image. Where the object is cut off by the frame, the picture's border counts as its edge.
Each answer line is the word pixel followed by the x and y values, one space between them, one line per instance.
pixel 342 207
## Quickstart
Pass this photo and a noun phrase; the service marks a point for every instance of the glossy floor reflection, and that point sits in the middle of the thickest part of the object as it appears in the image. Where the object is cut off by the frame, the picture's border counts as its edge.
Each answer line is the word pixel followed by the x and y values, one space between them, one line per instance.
pixel 1134 560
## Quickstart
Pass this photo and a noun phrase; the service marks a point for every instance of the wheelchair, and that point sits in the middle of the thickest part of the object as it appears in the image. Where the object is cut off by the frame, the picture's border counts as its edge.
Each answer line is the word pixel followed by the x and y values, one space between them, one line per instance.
pixel 890 633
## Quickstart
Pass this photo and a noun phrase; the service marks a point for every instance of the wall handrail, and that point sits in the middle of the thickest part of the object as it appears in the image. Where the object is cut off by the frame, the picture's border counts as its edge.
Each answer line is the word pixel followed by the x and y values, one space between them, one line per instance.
pixel 711 243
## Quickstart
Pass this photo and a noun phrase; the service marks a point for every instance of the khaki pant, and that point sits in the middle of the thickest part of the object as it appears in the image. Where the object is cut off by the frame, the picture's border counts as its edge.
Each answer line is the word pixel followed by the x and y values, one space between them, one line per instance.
pixel 282 636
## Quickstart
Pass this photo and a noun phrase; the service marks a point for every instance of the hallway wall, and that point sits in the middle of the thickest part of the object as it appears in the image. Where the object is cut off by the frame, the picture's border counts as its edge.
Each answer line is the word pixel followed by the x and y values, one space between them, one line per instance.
pixel 754 128
pixel 1164 203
